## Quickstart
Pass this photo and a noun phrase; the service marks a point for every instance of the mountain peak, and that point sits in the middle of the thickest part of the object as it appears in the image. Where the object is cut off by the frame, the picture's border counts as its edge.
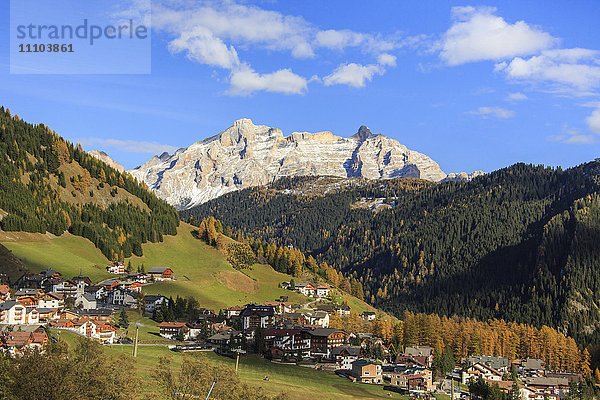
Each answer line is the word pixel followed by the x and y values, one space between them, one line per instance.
pixel 363 133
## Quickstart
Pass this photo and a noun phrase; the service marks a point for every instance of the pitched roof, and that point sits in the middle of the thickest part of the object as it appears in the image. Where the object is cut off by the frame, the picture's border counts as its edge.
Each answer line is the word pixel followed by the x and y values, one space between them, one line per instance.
pixel 362 363
pixel 157 270
pixel 27 292
pixel 261 311
pixel 171 325
pixel 351 350
pixel 324 332
pixel 7 305
pixel 17 339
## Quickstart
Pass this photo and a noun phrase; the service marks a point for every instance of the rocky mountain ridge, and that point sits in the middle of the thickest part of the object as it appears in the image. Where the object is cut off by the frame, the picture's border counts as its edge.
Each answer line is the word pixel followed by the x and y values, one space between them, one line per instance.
pixel 246 155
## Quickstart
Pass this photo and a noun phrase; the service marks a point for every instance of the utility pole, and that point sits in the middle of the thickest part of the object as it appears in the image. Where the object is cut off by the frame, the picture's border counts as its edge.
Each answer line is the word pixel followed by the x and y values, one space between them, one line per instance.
pixel 135 342
pixel 451 387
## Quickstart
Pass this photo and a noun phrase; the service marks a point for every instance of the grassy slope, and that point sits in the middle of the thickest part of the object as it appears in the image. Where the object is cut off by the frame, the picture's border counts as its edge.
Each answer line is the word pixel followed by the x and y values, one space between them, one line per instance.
pixel 299 383
pixel 201 270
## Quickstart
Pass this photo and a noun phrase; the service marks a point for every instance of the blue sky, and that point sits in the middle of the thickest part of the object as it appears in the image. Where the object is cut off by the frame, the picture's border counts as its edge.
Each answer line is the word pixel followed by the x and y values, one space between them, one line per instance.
pixel 474 85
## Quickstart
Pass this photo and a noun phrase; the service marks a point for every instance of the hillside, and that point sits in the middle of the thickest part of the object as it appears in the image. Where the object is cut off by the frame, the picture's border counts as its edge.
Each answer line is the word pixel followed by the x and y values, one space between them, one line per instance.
pixel 10 266
pixel 516 244
pixel 49 185
pixel 201 270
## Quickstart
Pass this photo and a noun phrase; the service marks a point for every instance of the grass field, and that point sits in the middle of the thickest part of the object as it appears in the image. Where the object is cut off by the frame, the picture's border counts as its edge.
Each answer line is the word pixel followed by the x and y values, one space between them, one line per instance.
pixel 200 270
pixel 299 383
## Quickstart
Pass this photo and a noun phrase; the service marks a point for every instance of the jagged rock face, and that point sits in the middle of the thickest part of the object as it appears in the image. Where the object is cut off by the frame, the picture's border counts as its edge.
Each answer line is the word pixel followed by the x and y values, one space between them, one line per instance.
pixel 102 156
pixel 247 155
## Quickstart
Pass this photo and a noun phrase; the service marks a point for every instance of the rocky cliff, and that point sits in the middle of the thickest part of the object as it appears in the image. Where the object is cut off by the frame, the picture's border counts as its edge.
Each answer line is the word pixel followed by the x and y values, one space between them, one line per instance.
pixel 247 155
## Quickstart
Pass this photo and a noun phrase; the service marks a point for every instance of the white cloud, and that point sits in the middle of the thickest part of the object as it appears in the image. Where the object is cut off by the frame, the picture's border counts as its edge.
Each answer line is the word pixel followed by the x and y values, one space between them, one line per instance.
pixel 580 139
pixel 593 121
pixel 130 146
pixel 477 34
pixel 576 69
pixel 202 46
pixel 218 33
pixel 387 60
pixel 518 96
pixel 352 74
pixel 245 81
pixel 497 112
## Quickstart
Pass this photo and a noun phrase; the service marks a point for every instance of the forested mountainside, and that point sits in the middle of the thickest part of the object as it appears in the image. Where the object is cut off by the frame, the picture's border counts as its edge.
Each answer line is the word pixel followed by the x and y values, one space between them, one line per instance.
pixel 520 243
pixel 49 185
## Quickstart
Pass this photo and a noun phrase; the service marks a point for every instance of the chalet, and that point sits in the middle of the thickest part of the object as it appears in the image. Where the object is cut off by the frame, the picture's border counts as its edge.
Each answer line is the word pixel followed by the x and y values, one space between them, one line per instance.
pixel 69 288
pixel 222 342
pixel 322 290
pixel 324 340
pixel 320 318
pixel 62 323
pixel 47 314
pixel 98 291
pixel 346 355
pixel 173 330
pixel 103 331
pixel 305 288
pixel 28 292
pixel 32 315
pixel 160 273
pixel 4 293
pixel 290 342
pixel 368 315
pixel 366 371
pixel 15 342
pixel 122 297
pixel 27 301
pixel 296 318
pixel 154 302
pixel 50 300
pixel 423 353
pixel 98 314
pixel 234 311
pixel 255 316
pixel 30 281
pixel 50 273
pixel 545 387
pixel 87 301
pixel 116 268
pixel 134 287
pixel 342 310
pixel 280 307
pixel 412 378
pixel 480 370
pixel 12 313
pixel 498 363
pixel 411 361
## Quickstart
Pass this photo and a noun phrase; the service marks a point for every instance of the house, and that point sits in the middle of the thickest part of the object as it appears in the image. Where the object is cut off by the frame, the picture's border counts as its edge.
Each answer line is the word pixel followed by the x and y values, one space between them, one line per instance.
pixel 116 268
pixel 346 355
pixel 368 316
pixel 50 274
pixel 50 300
pixel 480 370
pixel 122 297
pixel 299 319
pixel 289 342
pixel 342 310
pixel 154 302
pixel 103 331
pixel 222 342
pixel 12 313
pixel 320 318
pixel 69 288
pixel 4 293
pixel 46 314
pixel 87 301
pixel 412 378
pixel 30 281
pixel 305 288
pixel 15 342
pixel 366 371
pixel 133 286
pixel 98 291
pixel 233 311
pixel 98 314
pixel 322 290
pixel 173 330
pixel 255 316
pixel 498 363
pixel 324 340
pixel 545 387
pixel 160 273
pixel 28 293
pixel 421 353
pixel 280 307
pixel 32 315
